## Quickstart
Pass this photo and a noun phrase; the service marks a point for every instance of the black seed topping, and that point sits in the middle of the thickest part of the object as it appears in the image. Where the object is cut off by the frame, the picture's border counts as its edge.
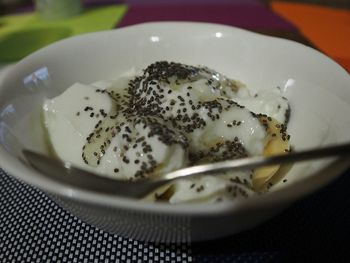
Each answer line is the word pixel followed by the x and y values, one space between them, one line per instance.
pixel 87 108
pixel 145 108
pixel 200 188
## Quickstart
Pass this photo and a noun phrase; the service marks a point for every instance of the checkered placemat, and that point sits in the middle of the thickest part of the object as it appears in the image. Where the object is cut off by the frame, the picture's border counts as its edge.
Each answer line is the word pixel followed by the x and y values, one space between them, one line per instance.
pixel 33 228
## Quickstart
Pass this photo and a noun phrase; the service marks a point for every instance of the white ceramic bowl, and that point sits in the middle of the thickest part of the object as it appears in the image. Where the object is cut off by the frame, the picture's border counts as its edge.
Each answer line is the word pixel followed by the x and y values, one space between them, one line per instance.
pixel 317 88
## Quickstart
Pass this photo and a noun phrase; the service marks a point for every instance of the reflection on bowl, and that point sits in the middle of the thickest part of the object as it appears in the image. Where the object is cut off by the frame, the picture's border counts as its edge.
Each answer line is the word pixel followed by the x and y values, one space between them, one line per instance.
pixel 259 61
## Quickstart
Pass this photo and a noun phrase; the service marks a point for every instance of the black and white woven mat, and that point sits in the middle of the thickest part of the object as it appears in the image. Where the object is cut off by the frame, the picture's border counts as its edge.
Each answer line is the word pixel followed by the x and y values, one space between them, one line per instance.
pixel 35 229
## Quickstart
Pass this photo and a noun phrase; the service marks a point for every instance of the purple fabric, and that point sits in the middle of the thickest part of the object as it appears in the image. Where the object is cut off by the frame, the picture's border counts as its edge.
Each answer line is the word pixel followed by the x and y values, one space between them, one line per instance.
pixel 248 14
pixel 171 2
pixel 190 2
pixel 245 16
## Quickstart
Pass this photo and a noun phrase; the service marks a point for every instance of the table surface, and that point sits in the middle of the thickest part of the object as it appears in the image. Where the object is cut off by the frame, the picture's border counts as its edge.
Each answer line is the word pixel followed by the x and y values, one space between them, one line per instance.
pixel 315 229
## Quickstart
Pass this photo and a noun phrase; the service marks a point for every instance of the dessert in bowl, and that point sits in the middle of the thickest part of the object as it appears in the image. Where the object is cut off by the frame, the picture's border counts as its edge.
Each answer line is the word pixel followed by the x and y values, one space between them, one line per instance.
pixel 313 85
pixel 168 117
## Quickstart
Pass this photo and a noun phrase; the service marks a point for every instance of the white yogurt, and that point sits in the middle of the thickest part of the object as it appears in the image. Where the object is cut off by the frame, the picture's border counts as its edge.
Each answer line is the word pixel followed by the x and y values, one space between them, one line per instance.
pixel 169 117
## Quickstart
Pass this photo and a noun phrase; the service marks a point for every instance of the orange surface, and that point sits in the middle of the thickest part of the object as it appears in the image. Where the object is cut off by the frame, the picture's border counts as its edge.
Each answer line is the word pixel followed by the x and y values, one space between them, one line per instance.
pixel 327 28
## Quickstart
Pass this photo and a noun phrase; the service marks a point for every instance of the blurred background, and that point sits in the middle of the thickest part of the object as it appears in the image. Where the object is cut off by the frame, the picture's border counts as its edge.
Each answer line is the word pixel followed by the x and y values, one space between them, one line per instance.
pixel 27 25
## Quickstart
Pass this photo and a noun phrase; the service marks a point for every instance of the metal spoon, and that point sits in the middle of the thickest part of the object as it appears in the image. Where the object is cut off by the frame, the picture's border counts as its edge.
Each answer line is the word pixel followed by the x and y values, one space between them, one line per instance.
pixel 68 174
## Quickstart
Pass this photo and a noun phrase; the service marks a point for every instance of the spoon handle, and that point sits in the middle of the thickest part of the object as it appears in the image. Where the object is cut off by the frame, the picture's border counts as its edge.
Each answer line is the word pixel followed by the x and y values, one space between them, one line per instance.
pixel 259 161
pixel 66 173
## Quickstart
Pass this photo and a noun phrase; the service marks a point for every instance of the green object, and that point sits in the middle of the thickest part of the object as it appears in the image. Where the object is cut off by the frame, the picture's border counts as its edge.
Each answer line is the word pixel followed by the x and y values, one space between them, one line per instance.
pixel 21 43
pixel 57 9
pixel 23 34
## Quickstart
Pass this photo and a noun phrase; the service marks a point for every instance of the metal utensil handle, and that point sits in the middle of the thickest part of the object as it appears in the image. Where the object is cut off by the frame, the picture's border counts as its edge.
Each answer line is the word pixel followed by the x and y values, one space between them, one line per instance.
pixel 259 161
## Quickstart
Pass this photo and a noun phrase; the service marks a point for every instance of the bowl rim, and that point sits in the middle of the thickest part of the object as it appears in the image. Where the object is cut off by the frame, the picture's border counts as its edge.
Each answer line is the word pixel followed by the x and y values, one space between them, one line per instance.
pixel 287 194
